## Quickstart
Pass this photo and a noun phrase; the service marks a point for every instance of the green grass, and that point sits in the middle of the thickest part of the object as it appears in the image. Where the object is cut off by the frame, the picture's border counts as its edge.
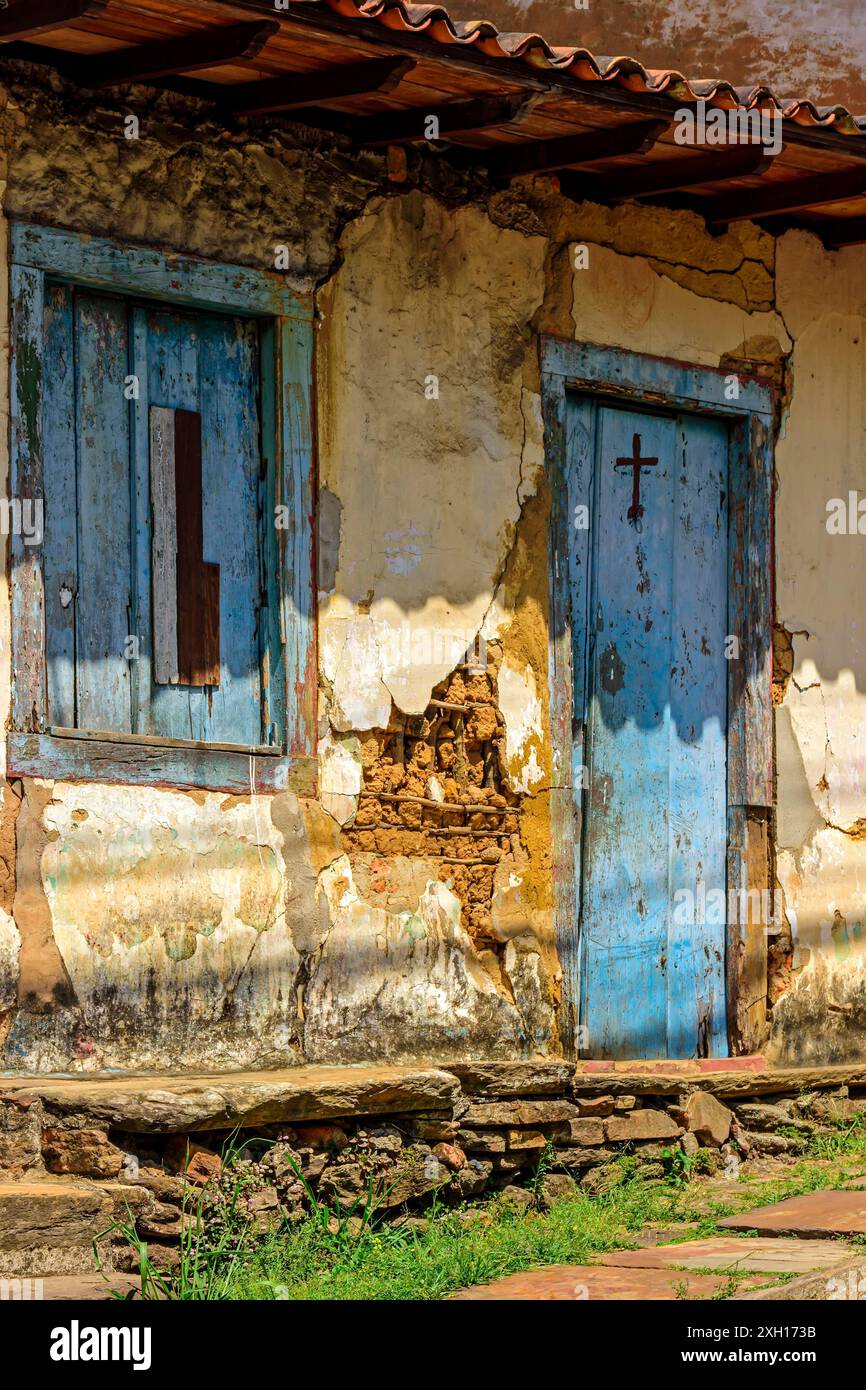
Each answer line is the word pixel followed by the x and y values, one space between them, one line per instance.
pixel 348 1255
pixel 386 1264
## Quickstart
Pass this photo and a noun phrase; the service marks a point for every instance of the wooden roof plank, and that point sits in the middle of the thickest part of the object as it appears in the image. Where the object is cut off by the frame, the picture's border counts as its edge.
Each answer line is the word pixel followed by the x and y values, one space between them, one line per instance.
pixel 790 195
pixel 166 57
pixel 24 18
pixel 293 91
pixel 404 127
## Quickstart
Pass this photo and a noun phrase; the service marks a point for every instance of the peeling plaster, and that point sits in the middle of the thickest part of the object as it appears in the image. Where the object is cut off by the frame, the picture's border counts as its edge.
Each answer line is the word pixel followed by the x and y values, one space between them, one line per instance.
pixel 340 776
pixel 444 477
pixel 383 978
pixel 521 709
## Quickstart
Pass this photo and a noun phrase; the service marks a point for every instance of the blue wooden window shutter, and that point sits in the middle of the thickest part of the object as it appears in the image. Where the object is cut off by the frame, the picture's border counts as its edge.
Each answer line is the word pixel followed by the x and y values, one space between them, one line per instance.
pixel 162 409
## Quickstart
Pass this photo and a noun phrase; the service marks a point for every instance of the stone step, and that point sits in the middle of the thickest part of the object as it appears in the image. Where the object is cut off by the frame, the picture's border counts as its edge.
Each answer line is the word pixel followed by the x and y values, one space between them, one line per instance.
pixel 48 1227
pixel 179 1104
pixel 814 1215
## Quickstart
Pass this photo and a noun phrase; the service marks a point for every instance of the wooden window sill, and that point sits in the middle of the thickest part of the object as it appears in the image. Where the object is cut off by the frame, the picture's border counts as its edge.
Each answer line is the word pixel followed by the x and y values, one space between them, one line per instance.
pixel 69 755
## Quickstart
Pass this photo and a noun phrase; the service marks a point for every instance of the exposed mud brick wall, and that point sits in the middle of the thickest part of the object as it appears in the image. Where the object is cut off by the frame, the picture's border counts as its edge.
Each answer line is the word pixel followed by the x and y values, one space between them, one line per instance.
pixel 433 788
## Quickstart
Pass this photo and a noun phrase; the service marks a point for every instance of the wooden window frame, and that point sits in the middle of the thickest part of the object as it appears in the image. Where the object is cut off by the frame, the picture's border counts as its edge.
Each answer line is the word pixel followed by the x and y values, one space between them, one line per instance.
pixel 615 375
pixel 286 320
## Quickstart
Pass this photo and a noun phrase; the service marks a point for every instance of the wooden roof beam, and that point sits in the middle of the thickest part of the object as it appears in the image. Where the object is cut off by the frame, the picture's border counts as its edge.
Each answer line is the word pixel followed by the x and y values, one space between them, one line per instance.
pixel 296 90
pixel 146 62
pixel 794 195
pixel 23 19
pixel 455 118
pixel 547 156
pixel 666 176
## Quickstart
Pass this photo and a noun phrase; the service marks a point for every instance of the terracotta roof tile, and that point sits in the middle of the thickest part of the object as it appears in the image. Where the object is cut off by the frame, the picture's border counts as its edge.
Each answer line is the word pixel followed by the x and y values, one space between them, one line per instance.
pixel 437 24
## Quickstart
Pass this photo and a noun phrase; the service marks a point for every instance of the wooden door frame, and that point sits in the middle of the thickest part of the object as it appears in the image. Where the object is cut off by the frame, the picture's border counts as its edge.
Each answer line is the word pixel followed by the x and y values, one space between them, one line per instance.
pixel 646 382
pixel 286 328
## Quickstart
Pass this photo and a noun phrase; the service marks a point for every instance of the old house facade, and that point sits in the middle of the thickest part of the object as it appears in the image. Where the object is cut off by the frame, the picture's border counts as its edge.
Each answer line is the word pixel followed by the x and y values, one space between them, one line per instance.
pixel 430 623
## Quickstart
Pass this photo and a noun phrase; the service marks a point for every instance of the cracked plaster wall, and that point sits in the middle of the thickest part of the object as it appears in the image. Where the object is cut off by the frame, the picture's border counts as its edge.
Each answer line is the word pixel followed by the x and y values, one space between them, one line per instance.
pixel 821 719
pixel 207 931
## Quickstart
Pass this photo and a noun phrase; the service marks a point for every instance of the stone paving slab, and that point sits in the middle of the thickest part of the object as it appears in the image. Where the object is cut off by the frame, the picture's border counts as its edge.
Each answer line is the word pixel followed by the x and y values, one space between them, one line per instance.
pixel 814 1214
pixel 845 1282
pixel 90 1288
pixel 576 1283
pixel 775 1255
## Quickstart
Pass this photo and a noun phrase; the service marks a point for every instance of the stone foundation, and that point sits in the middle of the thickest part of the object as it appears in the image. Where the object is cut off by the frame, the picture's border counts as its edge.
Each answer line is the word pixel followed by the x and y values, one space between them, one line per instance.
pixel 380 1144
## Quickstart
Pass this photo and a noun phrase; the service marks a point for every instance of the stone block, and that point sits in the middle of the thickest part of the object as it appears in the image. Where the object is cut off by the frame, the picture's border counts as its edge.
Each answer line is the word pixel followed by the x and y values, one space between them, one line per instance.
pixel 641 1124
pixel 516 1113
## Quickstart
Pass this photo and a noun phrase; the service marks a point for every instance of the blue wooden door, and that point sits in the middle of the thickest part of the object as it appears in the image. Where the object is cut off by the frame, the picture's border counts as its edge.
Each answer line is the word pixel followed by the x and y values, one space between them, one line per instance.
pixel 654 829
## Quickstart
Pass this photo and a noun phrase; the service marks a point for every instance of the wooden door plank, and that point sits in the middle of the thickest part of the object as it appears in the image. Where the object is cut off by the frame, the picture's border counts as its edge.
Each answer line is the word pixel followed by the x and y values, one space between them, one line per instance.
pixel 758 689
pixel 625 890
pixel 231 469
pixel 103 607
pixel 61 542
pixel 28 598
pixel 163 546
pixel 697 797
pixel 172 381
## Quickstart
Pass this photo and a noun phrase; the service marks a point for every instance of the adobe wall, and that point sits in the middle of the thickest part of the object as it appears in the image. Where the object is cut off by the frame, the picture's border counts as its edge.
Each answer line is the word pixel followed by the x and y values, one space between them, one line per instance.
pixel 146 928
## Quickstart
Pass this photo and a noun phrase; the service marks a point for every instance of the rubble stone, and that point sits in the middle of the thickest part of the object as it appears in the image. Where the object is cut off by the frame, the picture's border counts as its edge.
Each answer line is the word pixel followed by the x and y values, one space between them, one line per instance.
pixel 555 1187
pixel 332 1138
pixel 481 1141
pixel 87 1153
pixel 525 1139
pixel 770 1145
pixel 451 1156
pixel 641 1124
pixel 768 1118
pixel 203 1168
pixel 707 1119
pixel 595 1106
pixel 518 1196
pixel 20 1133
pixel 585 1131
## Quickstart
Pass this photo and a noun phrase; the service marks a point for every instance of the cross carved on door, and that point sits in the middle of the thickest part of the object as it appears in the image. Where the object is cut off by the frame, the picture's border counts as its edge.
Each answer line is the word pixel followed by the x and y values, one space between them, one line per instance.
pixel 635 463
